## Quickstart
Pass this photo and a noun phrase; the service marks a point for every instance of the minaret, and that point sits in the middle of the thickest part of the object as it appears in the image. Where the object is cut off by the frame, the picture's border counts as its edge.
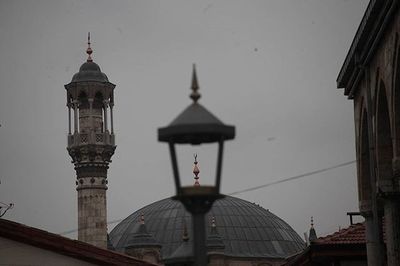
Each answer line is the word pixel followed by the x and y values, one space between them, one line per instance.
pixel 91 144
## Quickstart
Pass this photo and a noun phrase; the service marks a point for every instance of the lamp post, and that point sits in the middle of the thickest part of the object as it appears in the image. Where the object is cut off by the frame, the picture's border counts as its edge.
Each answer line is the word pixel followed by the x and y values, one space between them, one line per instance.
pixel 195 126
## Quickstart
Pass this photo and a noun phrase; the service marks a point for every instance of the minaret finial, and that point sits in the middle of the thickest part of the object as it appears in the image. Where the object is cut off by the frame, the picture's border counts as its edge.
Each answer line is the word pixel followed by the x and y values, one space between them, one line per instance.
pixel 89 50
pixel 196 171
pixel 195 95
pixel 312 221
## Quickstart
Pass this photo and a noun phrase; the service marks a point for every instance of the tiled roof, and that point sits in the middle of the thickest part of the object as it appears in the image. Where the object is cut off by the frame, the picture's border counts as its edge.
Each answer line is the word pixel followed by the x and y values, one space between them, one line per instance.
pixel 354 234
pixel 348 242
pixel 65 246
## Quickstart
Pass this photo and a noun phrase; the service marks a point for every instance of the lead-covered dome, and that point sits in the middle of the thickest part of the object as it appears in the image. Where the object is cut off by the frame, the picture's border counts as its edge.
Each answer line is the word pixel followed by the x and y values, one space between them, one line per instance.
pixel 89 71
pixel 247 230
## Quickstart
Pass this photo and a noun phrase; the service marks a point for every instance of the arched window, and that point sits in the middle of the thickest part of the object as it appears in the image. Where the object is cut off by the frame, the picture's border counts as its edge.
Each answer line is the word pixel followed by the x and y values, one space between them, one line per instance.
pixel 98 101
pixel 83 101
pixel 384 147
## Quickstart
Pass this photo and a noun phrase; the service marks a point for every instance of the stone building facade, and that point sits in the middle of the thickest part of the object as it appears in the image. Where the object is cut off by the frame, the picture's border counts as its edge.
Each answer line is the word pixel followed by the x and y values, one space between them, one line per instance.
pixel 370 77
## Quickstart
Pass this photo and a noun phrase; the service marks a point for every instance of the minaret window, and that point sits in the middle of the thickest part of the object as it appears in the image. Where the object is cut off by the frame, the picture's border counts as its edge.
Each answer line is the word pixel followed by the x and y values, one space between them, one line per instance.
pixel 105 103
pixel 98 113
pixel 75 106
pixel 111 113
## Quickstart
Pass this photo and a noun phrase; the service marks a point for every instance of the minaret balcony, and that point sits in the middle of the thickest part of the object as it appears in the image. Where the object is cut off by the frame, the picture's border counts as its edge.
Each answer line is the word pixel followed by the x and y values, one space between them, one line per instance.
pixel 99 138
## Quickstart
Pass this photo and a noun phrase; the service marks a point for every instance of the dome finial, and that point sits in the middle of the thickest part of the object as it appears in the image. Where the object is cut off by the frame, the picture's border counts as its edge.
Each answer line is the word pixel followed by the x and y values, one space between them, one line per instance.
pixel 312 234
pixel 142 218
pixel 213 226
pixel 185 236
pixel 214 240
pixel 195 96
pixel 89 50
pixel 196 171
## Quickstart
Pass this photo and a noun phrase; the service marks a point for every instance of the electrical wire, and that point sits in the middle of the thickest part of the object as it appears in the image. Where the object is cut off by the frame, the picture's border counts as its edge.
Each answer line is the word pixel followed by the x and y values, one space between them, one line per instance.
pixel 291 178
pixel 280 180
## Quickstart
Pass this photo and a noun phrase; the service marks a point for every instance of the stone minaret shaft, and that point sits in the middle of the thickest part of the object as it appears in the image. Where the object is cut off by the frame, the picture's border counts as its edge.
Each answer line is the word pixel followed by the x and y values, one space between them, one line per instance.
pixel 91 143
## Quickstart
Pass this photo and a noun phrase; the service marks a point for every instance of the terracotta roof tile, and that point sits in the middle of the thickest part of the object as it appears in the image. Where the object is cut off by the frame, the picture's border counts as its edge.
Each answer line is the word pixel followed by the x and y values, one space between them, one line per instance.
pixel 354 234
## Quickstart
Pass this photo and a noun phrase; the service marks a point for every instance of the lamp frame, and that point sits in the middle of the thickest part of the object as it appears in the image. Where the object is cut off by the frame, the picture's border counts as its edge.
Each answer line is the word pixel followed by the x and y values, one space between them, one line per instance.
pixel 217 182
pixel 196 125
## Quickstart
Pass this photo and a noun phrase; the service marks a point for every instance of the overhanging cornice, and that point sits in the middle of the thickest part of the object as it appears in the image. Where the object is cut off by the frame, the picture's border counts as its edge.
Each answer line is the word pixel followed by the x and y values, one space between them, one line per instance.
pixel 368 35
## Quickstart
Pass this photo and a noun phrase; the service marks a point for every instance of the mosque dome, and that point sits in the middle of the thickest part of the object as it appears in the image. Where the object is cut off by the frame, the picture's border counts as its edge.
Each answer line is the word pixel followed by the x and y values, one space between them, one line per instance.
pixel 246 229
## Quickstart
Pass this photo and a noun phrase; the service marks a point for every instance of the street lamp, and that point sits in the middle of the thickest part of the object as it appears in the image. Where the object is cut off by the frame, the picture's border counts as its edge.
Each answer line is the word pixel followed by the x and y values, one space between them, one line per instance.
pixel 195 126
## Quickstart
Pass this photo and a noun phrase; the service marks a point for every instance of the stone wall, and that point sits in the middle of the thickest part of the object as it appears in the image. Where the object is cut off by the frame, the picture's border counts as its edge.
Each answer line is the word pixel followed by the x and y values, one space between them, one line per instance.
pixel 92 215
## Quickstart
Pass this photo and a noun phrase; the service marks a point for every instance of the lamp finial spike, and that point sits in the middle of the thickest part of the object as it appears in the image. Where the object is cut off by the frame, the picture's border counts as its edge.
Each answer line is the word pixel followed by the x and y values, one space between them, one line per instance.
pixel 195 95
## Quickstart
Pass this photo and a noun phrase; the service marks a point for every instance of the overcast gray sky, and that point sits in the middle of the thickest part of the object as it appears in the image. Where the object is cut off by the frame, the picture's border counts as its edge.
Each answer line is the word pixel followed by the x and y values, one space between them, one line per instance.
pixel 267 67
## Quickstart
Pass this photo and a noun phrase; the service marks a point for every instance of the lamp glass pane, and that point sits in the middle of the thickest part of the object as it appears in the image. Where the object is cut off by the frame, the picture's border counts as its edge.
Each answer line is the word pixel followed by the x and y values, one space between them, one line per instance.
pixel 207 163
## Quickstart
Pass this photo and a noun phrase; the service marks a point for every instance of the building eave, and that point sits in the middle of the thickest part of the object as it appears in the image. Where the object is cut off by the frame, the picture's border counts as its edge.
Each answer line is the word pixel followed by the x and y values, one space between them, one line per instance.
pixel 368 35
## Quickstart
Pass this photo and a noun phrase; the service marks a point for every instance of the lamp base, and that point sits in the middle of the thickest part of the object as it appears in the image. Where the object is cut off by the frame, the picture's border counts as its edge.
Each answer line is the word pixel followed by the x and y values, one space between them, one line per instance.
pixel 198 199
